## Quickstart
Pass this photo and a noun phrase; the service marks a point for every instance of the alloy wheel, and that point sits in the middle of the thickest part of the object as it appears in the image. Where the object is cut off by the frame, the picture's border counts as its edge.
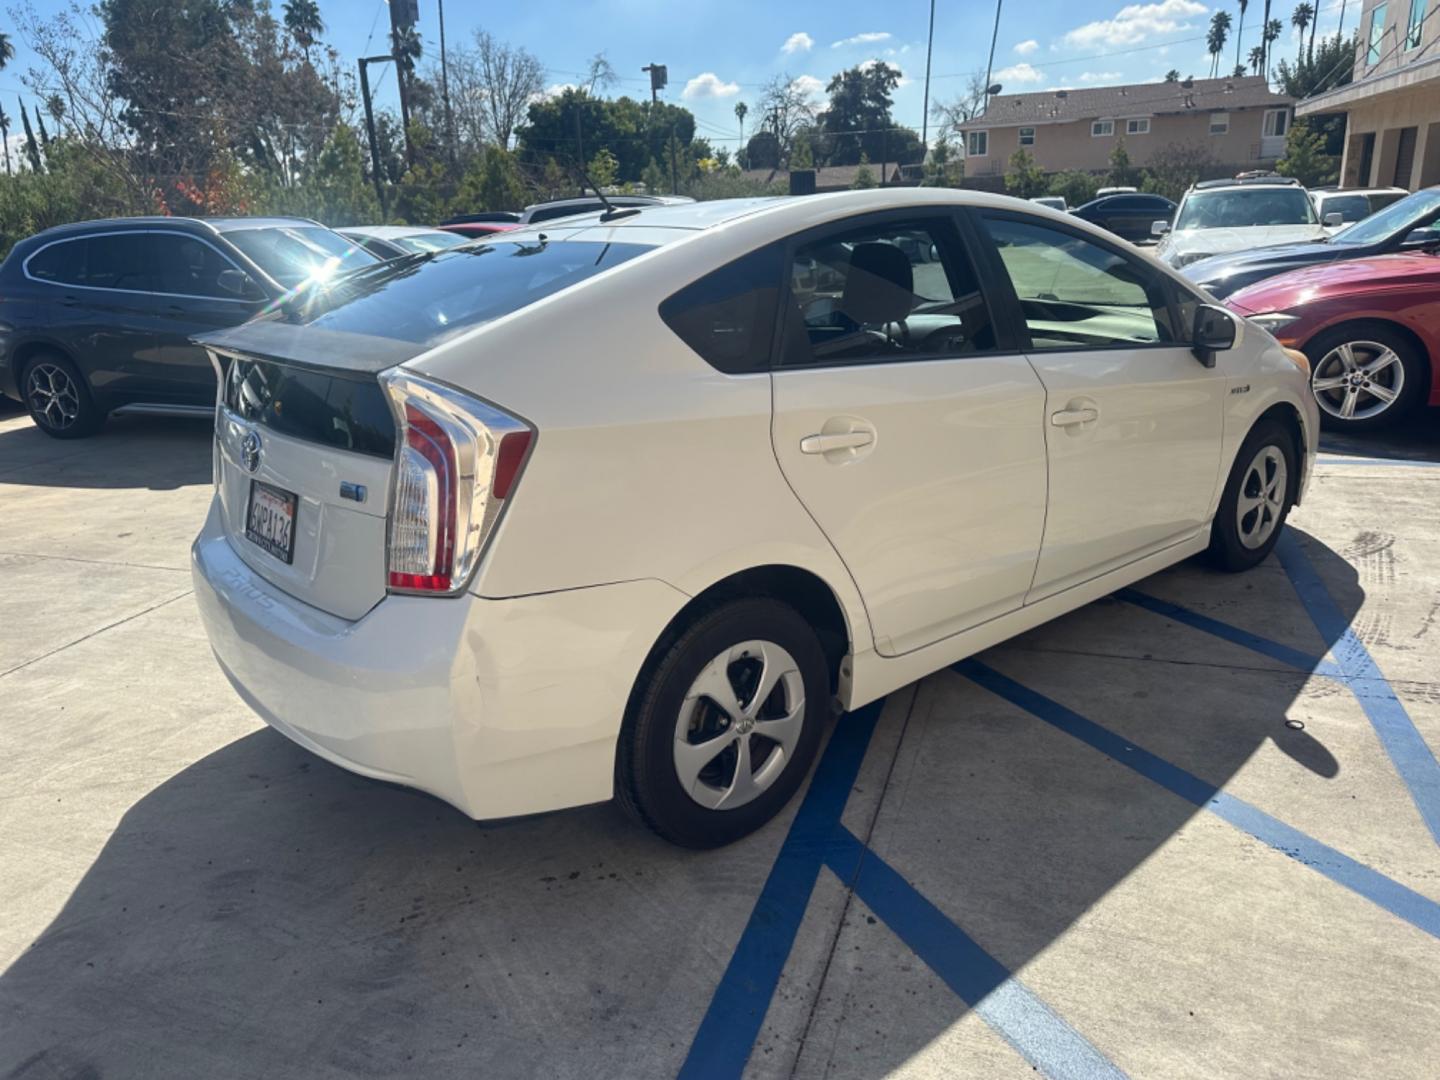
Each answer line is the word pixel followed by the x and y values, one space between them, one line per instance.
pixel 1358 380
pixel 52 394
pixel 739 724
pixel 1261 500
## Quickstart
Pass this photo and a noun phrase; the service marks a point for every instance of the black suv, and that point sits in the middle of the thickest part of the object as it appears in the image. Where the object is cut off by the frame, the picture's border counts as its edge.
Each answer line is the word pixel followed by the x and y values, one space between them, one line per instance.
pixel 97 317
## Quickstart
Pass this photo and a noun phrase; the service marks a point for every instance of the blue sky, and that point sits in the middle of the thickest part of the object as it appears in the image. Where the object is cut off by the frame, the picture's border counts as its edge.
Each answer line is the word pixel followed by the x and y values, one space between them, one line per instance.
pixel 722 51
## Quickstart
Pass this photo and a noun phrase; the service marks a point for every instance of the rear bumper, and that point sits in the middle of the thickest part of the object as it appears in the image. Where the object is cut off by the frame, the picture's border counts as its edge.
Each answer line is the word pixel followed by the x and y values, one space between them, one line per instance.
pixel 499 707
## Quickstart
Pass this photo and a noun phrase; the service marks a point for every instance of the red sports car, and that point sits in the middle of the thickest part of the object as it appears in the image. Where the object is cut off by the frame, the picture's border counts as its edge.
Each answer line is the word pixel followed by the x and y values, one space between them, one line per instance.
pixel 1371 329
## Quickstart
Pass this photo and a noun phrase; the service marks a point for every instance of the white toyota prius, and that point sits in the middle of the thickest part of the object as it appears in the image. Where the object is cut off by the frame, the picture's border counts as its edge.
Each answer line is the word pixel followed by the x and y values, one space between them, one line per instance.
pixel 631 504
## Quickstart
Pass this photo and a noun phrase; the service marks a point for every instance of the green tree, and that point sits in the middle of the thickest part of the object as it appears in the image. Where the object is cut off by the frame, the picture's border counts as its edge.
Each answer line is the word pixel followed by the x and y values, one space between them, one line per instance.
pixel 1302 18
pixel 741 111
pixel 1305 157
pixel 492 182
pixel 7 50
pixel 1173 167
pixel 864 178
pixel 603 168
pixel 32 148
pixel 1122 173
pixel 303 23
pixel 1075 187
pixel 5 138
pixel 653 178
pixel 1239 36
pixel 1173 75
pixel 1025 179
pixel 802 157
pixel 1216 38
pixel 634 133
pixel 763 151
pixel 942 167
pixel 858 121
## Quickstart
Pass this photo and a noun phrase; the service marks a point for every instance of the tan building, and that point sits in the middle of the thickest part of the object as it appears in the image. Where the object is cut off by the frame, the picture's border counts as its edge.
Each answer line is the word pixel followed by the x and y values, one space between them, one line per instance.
pixel 1241 121
pixel 1392 134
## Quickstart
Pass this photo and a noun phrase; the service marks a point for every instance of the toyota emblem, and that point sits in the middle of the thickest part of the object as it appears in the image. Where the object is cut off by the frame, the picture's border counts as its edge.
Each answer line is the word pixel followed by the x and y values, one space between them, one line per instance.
pixel 250 451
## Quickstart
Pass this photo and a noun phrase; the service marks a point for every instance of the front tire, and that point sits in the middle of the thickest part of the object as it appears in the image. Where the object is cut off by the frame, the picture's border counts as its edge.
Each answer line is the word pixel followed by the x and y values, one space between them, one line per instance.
pixel 1365 376
pixel 725 724
pixel 59 399
pixel 1257 498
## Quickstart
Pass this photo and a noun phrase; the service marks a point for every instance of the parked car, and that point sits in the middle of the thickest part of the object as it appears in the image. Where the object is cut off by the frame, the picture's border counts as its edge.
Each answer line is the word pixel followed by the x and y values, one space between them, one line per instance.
pixel 592 204
pixel 1339 207
pixel 487 223
pixel 1371 328
pixel 1054 202
pixel 99 315
pixel 631 511
pixel 1131 217
pixel 1220 216
pixel 1407 225
pixel 393 241
pixel 1120 189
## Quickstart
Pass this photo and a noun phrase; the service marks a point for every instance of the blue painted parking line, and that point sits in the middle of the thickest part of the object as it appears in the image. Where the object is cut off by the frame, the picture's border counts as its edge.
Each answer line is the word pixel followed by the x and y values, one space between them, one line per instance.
pixel 1335 459
pixel 1041 1037
pixel 1419 911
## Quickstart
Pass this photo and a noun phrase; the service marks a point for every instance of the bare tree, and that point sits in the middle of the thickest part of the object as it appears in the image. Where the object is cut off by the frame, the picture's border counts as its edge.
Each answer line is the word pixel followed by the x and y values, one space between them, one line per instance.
pixel 786 109
pixel 952 116
pixel 601 74
pixel 510 78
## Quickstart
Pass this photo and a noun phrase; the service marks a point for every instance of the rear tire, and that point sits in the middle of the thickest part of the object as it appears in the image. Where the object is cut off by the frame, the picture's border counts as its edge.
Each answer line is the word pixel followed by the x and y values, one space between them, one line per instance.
pixel 1257 498
pixel 724 725
pixel 1365 375
pixel 58 398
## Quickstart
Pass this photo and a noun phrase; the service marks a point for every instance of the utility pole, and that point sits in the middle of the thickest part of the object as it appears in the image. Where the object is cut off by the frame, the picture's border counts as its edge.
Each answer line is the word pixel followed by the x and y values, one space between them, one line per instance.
pixel 445 87
pixel 403 16
pixel 674 172
pixel 365 62
pixel 985 104
pixel 659 79
pixel 925 116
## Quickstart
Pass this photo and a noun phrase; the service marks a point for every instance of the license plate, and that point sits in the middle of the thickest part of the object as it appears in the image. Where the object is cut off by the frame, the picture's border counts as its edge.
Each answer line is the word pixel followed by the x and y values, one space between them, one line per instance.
pixel 270 520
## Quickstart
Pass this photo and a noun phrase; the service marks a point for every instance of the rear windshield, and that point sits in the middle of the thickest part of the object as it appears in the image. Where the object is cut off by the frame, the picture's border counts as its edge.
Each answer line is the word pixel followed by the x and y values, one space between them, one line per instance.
pixel 427 299
pixel 1239 208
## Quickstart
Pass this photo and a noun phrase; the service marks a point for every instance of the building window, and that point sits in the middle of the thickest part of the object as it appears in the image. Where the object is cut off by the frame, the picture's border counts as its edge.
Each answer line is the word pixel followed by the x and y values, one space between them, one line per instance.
pixel 1100 128
pixel 1138 127
pixel 1277 121
pixel 977 143
pixel 1417 24
pixel 1027 135
pixel 1377 34
pixel 1219 123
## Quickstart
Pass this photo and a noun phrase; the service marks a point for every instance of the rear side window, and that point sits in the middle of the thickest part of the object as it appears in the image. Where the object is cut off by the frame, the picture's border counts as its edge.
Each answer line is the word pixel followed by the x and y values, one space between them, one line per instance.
pixel 63 263
pixel 425 303
pixel 728 316
pixel 117 261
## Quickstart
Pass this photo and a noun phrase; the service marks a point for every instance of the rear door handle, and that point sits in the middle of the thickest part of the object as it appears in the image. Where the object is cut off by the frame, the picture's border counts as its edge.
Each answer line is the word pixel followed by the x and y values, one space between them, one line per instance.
pixel 823 444
pixel 1071 417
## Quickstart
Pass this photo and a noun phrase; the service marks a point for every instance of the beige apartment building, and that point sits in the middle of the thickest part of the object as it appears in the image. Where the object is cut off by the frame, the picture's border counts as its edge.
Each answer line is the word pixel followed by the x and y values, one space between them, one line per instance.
pixel 1241 121
pixel 1392 133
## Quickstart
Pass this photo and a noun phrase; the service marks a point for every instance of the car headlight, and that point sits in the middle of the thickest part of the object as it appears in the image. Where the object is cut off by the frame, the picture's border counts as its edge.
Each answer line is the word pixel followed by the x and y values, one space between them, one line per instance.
pixel 1273 321
pixel 1186 260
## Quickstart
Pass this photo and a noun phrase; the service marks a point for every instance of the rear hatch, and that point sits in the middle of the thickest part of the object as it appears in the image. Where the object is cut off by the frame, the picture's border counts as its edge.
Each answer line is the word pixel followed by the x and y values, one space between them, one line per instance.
pixel 304 445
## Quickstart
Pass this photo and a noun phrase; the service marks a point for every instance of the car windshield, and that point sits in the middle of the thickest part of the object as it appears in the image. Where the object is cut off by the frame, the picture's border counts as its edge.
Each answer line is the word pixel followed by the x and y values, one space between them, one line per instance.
pixel 427 241
pixel 428 298
pixel 295 255
pixel 1239 208
pixel 1397 219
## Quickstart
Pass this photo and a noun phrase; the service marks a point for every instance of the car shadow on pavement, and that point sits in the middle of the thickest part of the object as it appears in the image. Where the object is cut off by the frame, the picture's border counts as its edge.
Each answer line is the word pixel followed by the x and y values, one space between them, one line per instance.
pixel 156 452
pixel 1414 438
pixel 262 913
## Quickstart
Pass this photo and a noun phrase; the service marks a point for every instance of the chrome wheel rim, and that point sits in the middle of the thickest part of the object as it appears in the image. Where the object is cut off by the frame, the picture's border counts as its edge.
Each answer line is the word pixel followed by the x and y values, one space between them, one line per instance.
pixel 53 395
pixel 1261 502
pixel 1358 380
pixel 739 725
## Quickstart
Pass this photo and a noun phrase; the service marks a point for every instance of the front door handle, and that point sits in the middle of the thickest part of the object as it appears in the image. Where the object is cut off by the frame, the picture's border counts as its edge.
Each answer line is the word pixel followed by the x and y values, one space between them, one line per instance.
pixel 824 444
pixel 1071 417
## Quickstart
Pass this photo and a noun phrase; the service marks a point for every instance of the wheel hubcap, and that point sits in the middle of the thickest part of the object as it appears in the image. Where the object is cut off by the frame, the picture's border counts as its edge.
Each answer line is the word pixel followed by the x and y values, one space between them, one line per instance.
pixel 739 724
pixel 51 394
pixel 1262 497
pixel 1358 380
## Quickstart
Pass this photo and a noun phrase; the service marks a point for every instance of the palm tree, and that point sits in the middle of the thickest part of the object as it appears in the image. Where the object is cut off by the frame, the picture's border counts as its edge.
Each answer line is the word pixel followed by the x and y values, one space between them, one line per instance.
pixel 1264 40
pixel 1257 59
pixel 5 138
pixel 1240 33
pixel 7 51
pixel 1301 18
pixel 740 110
pixel 1215 39
pixel 302 20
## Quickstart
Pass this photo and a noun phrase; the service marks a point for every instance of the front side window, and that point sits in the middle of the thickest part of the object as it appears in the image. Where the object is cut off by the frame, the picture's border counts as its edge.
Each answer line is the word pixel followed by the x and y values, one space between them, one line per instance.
pixel 1138 127
pixel 185 266
pixel 1027 136
pixel 1239 208
pixel 1377 34
pixel 885 293
pixel 1219 123
pixel 1076 294
pixel 977 143
pixel 1102 127
pixel 1417 24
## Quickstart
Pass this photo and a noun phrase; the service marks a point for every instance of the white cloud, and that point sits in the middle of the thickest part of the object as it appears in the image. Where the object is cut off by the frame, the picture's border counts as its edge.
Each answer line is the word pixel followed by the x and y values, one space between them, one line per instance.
pixel 709 85
pixel 797 42
pixel 1135 23
pixel 1025 48
pixel 1099 76
pixel 554 90
pixel 809 85
pixel 867 38
pixel 1019 73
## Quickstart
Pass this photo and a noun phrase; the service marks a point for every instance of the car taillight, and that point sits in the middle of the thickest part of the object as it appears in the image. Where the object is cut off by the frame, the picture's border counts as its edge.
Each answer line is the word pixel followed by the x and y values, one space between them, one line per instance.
pixel 457 460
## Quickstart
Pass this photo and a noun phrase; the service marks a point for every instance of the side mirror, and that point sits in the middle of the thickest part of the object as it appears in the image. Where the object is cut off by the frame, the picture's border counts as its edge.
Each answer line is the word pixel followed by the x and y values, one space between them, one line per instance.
pixel 1332 220
pixel 1425 237
pixel 1214 332
pixel 237 282
pixel 1159 228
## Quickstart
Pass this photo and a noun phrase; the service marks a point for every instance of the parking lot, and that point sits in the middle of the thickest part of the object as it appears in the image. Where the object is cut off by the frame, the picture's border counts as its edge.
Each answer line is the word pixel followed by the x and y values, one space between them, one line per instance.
pixel 1191 830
